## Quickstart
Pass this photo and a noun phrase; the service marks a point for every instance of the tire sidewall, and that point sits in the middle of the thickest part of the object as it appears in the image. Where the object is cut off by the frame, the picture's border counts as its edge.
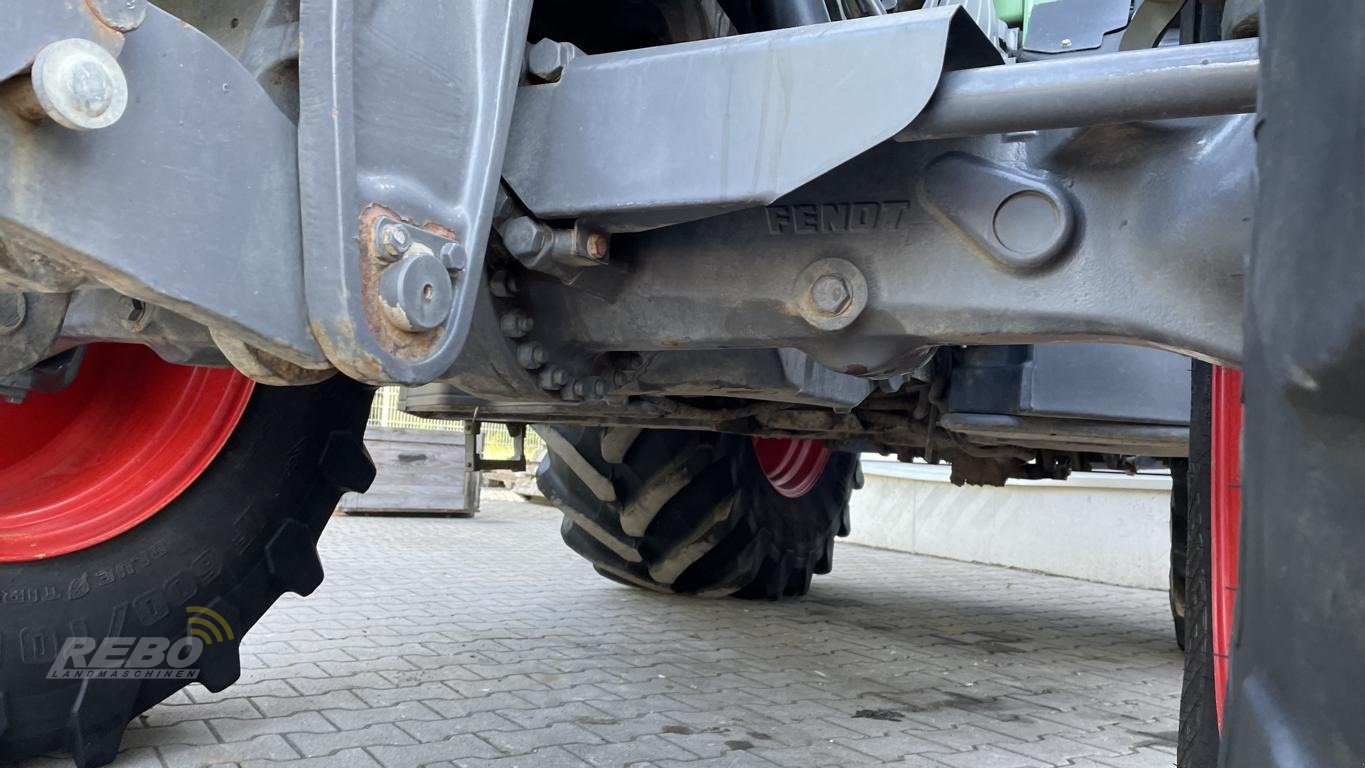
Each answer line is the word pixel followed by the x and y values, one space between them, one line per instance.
pixel 207 548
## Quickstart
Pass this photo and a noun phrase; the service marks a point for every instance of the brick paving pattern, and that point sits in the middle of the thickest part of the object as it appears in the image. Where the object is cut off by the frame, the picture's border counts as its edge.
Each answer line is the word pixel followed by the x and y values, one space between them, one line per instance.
pixel 485 642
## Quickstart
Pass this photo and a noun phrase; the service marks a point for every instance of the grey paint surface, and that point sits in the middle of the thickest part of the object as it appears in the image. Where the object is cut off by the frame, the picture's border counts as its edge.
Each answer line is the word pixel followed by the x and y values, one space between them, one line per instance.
pixel 1142 265
pixel 190 201
pixel 664 135
pixel 405 105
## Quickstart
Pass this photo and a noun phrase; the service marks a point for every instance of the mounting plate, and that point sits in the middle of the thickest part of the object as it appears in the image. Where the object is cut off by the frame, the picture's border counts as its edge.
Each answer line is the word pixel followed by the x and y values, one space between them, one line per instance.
pixel 405 110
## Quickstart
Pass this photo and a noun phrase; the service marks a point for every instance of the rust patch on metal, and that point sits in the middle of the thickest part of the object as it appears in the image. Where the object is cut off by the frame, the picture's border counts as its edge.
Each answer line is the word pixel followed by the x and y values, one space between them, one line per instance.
pixel 405 345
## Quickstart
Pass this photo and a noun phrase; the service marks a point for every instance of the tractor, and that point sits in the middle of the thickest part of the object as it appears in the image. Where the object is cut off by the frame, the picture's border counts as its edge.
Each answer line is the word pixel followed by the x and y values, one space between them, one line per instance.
pixel 711 250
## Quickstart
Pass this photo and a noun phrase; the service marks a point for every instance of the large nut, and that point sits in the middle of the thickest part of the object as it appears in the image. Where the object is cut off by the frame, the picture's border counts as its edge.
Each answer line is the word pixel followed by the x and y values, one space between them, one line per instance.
pixel 524 236
pixel 80 85
pixel 415 294
pixel 547 59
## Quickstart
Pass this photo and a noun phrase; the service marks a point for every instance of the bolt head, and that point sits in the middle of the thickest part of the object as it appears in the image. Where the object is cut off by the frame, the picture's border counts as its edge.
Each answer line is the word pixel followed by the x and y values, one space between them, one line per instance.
pixel 598 246
pixel 547 59
pixel 524 236
pixel 504 284
pixel 516 324
pixel 553 377
pixel 831 294
pixel 453 256
pixel 531 355
pixel 395 239
pixel 80 85
pixel 132 313
pixel 1066 42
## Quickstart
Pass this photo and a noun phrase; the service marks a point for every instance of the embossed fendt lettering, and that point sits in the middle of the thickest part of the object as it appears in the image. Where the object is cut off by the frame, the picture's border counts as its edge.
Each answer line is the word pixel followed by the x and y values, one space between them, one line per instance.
pixel 824 218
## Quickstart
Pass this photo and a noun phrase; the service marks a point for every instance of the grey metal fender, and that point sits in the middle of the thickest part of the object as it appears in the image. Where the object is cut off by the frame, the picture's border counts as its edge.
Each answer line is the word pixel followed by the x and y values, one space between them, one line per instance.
pixel 647 138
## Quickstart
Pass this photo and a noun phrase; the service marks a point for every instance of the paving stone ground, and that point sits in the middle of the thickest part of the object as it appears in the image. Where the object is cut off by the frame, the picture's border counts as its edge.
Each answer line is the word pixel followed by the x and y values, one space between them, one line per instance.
pixel 485 642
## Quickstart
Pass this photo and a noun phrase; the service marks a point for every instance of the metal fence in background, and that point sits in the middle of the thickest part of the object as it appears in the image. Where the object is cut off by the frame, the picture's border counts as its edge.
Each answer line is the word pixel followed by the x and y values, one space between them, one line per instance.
pixel 497 444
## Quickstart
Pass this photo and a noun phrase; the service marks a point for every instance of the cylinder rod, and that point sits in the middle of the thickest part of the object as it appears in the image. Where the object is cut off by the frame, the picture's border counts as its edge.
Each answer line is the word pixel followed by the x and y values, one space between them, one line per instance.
pixel 1158 84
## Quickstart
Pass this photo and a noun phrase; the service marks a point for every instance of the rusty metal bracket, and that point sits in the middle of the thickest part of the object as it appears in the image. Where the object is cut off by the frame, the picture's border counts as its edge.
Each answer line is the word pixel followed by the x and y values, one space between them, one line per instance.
pixel 423 156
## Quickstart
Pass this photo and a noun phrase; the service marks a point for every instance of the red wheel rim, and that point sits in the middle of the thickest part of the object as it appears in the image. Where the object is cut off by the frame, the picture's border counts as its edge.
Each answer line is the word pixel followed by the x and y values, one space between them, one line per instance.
pixel 792 466
pixel 1225 517
pixel 80 466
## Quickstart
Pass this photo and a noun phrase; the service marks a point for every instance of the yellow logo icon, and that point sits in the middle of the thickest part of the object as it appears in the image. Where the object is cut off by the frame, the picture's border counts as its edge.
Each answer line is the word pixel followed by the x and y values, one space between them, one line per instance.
pixel 208 625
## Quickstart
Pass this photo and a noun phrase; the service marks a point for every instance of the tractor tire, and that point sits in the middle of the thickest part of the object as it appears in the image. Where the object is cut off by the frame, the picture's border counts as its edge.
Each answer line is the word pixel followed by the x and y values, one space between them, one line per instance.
pixel 1198 742
pixel 236 539
pixel 692 513
pixel 1180 523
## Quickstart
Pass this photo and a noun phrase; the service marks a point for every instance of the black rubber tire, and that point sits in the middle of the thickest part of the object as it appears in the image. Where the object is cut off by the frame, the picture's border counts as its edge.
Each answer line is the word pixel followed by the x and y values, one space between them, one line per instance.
pixel 1180 521
pixel 242 535
pixel 1198 744
pixel 691 512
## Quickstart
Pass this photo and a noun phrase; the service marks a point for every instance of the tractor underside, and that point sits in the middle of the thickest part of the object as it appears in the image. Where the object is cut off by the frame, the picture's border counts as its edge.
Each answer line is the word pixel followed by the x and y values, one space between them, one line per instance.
pixel 868 232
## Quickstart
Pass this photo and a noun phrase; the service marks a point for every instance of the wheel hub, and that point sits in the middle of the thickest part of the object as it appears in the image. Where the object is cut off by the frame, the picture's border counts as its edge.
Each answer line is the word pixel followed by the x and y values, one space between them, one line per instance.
pixel 81 466
pixel 793 466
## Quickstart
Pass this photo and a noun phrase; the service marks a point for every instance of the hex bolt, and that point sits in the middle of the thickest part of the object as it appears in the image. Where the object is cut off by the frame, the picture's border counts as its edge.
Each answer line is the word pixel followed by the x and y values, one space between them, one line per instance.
pixel 13 311
pixel 569 393
pixel 504 284
pixel 79 85
pixel 524 236
pixel 531 355
pixel 133 314
pixel 395 240
pixel 415 294
pixel 831 294
pixel 516 324
pixel 454 257
pixel 503 206
pixel 547 59
pixel 553 377
pixel 580 389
